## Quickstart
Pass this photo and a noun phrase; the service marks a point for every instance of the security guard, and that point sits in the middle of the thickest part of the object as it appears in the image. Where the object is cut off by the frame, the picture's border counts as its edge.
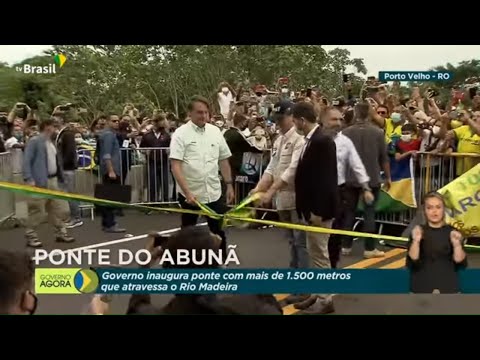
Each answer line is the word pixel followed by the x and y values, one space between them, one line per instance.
pixel 279 180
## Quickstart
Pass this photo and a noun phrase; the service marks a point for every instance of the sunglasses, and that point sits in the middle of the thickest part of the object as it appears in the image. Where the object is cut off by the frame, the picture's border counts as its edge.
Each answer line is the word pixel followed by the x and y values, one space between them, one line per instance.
pixel 381 112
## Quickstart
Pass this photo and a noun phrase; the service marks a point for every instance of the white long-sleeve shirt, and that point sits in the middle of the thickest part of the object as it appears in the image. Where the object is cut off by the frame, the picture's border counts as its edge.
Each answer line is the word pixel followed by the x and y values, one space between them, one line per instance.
pixel 347 157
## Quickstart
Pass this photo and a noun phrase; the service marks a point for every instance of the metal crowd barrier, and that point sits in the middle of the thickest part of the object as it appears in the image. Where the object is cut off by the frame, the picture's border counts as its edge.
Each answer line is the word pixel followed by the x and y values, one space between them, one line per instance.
pixel 86 177
pixel 147 170
pixel 7 205
pixel 432 171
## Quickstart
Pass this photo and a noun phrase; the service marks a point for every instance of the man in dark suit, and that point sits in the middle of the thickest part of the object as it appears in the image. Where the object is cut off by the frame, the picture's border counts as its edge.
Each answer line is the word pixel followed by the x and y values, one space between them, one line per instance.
pixel 316 195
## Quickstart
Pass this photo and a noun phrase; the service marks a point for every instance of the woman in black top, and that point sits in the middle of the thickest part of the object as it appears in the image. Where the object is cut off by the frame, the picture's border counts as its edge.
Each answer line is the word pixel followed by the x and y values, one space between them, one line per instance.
pixel 435 251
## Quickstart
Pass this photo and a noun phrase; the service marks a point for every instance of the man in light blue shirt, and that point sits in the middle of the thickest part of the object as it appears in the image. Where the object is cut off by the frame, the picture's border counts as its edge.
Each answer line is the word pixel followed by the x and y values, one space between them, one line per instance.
pixel 108 150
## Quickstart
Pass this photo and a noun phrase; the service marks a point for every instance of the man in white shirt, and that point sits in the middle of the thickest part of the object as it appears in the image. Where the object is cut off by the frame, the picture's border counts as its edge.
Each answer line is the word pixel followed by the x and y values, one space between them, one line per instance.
pixel 197 152
pixel 347 158
pixel 225 98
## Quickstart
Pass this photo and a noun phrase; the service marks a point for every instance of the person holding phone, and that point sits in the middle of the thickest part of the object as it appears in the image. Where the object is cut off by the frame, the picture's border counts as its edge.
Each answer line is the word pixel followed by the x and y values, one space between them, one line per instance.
pixel 435 251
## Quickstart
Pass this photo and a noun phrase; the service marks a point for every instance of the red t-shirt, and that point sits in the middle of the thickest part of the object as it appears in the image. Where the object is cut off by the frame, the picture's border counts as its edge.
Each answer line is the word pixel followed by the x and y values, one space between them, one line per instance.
pixel 403 147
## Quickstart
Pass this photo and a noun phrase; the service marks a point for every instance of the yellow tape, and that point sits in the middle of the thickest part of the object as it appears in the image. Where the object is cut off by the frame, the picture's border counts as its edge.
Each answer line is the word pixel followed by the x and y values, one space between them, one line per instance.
pixel 205 211
pixel 27 189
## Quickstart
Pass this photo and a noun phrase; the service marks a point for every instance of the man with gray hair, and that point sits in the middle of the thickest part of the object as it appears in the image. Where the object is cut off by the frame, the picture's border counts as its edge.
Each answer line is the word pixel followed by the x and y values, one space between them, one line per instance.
pixel 347 159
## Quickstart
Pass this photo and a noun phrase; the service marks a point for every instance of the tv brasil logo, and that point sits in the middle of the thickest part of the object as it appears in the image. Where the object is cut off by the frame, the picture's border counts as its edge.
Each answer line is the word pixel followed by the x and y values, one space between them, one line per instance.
pixel 65 281
pixel 59 60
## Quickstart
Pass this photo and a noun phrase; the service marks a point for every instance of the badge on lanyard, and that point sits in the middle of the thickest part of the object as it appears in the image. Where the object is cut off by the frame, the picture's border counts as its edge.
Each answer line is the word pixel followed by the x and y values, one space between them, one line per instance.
pixel 126 143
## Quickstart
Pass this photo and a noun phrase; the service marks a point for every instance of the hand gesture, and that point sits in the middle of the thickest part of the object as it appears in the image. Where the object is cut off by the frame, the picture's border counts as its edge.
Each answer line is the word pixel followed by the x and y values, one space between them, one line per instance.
pixel 155 251
pixel 416 93
pixel 190 199
pixel 387 183
pixel 254 191
pixel 455 238
pixel 372 103
pixel 97 306
pixel 368 197
pixel 266 198
pixel 417 234
pixel 404 110
pixel 230 195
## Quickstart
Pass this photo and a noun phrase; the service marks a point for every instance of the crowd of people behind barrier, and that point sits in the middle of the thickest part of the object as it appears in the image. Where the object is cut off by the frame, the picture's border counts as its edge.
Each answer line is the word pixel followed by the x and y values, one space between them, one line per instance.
pixel 414 127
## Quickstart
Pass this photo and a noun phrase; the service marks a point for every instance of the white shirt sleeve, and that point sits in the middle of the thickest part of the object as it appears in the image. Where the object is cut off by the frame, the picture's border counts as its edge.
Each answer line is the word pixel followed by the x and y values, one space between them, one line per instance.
pixel 177 147
pixel 225 152
pixel 10 142
pixel 355 163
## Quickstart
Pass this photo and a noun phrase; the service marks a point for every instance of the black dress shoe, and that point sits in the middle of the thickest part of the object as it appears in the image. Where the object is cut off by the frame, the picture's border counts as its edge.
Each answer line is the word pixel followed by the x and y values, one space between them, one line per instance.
pixel 306 303
pixel 293 299
pixel 320 307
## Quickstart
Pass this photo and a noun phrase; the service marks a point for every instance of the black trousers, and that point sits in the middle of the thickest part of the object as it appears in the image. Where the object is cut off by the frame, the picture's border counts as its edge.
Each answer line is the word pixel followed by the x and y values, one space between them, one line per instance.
pixel 158 182
pixel 108 213
pixel 349 198
pixel 214 225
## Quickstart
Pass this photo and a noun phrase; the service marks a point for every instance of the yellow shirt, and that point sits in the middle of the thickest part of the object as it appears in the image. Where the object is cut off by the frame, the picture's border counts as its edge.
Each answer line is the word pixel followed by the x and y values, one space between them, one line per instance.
pixel 391 129
pixel 468 142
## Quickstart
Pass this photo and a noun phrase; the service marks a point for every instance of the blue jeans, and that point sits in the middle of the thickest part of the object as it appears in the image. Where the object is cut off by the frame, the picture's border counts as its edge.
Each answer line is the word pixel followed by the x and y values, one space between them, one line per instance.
pixel 68 185
pixel 297 240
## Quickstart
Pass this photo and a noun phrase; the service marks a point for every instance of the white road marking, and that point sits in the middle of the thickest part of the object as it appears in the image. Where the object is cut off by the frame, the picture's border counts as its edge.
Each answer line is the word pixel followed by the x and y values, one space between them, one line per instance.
pixel 118 241
pixel 125 239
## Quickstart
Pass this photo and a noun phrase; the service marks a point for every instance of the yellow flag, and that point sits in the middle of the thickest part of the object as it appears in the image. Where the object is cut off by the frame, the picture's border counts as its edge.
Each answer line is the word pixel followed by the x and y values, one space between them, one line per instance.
pixel 462 197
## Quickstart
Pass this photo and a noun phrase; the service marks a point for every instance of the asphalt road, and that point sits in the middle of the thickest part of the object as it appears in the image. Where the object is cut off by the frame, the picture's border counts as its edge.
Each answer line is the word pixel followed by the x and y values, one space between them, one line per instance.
pixel 265 248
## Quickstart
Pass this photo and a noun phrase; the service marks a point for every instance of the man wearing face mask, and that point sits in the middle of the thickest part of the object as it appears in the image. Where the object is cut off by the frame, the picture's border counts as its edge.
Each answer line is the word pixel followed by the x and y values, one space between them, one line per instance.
pixel 258 139
pixel 15 144
pixel 238 143
pixel 347 158
pixel 42 168
pixel 15 141
pixel 158 164
pixel 67 153
pixel 225 97
pixel 393 126
pixel 17 284
pixel 407 146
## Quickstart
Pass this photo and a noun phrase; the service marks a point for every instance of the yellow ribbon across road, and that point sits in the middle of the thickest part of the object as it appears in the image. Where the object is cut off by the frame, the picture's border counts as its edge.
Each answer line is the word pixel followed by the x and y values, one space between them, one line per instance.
pixel 234 214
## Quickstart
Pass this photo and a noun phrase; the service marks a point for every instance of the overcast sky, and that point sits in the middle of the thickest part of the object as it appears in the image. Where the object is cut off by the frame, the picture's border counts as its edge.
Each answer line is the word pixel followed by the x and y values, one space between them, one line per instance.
pixel 376 57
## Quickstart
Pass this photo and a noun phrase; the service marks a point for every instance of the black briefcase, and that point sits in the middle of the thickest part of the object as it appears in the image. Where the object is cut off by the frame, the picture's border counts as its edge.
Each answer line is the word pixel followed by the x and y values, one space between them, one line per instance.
pixel 114 192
